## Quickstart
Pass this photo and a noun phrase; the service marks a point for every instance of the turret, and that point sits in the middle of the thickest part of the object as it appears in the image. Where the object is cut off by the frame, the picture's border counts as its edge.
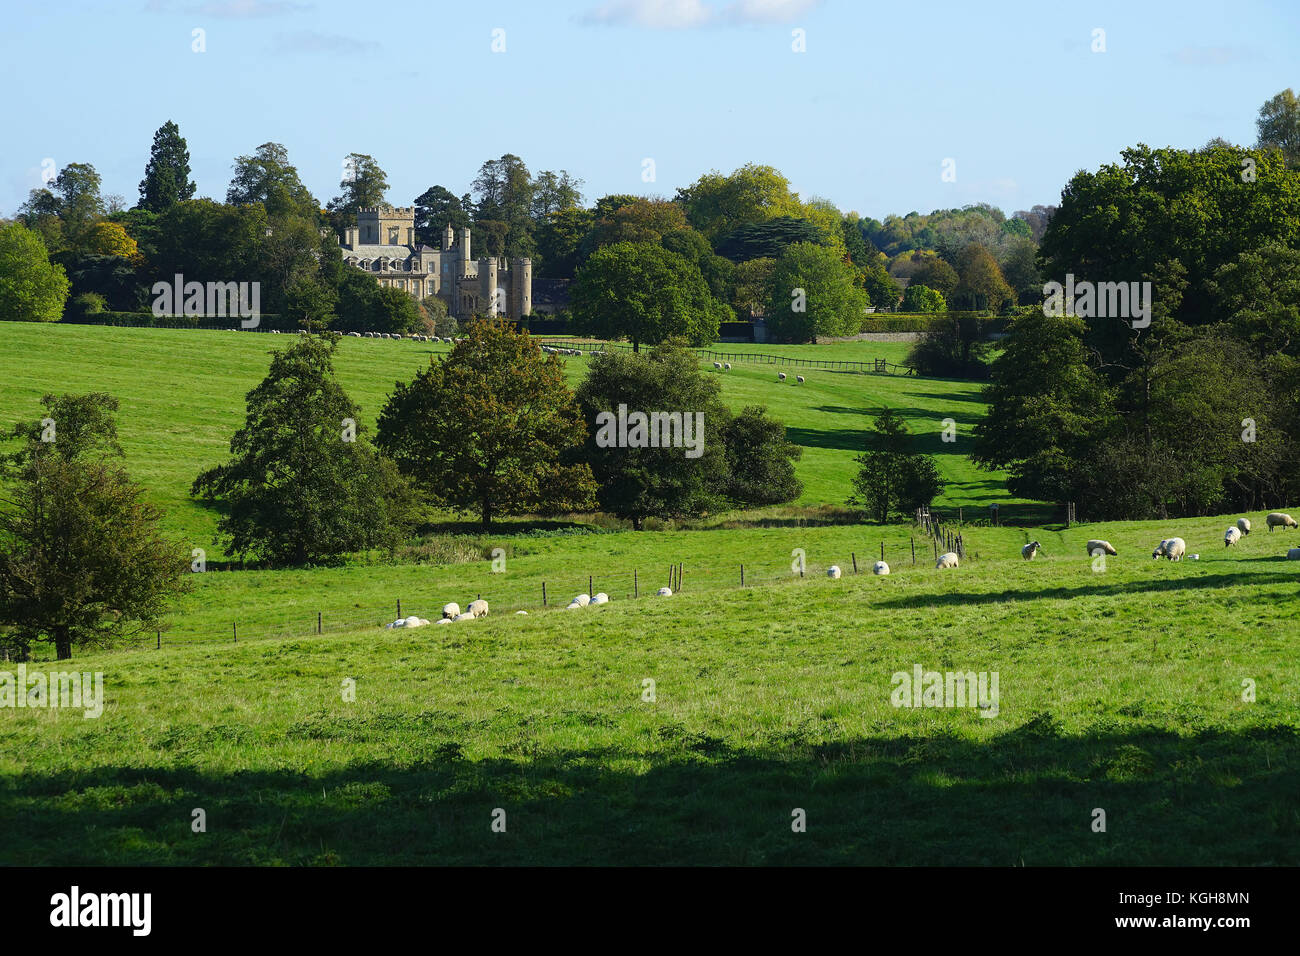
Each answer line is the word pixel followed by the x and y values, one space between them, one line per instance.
pixel 448 238
pixel 464 249
pixel 521 290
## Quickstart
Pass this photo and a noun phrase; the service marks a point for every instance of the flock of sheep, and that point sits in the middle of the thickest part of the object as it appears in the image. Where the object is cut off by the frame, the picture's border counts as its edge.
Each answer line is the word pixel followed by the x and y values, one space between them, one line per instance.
pixel 780 377
pixel 452 614
pixel 1172 549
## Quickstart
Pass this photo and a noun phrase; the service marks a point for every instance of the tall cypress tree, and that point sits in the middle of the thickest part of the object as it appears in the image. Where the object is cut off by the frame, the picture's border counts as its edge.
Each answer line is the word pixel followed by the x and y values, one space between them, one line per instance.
pixel 167 175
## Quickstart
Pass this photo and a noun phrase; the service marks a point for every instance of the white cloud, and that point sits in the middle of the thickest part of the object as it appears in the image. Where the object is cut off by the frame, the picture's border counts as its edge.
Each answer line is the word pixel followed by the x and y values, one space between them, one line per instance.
pixel 310 41
pixel 249 9
pixel 689 14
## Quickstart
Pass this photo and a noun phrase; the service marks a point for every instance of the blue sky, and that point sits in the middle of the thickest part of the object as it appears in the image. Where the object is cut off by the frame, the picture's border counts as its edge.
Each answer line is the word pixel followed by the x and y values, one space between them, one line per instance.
pixel 865 117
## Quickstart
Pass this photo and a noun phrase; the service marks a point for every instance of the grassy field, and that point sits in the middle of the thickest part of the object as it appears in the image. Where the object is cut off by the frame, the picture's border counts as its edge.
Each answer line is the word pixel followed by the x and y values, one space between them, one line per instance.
pixel 1121 687
pixel 182 395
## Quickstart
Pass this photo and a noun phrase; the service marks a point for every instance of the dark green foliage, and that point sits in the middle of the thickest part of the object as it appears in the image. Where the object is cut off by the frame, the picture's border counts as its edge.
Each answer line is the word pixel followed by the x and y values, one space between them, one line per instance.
pixel 638 483
pixel 643 292
pixel 760 461
pixel 167 175
pixel 304 485
pixel 81 559
pixel 490 428
pixel 767 240
pixel 952 347
pixel 894 479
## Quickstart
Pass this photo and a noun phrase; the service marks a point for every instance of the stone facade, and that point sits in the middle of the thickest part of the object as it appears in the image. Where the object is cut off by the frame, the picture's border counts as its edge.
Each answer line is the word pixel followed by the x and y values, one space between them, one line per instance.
pixel 383 244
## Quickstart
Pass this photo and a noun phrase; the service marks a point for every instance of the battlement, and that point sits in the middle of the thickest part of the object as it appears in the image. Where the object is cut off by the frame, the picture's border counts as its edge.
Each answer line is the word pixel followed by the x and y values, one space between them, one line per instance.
pixel 387 212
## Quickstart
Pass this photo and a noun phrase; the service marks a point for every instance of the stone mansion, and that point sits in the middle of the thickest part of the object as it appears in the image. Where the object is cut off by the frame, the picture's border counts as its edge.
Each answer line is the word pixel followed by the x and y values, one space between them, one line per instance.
pixel 383 243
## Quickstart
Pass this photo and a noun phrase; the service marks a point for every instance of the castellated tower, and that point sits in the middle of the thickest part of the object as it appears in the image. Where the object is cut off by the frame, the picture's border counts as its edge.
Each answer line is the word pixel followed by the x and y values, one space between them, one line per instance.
pixel 521 288
pixel 488 277
pixel 386 226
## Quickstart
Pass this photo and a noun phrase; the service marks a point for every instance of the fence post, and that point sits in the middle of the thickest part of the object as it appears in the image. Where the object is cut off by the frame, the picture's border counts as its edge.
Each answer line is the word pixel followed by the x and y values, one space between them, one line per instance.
pixel 159 642
pixel 882 551
pixel 234 627
pixel 636 590
pixel 543 594
pixel 318 622
pixel 399 609
pixel 679 577
pixel 855 562
pixel 742 575
pixel 913 540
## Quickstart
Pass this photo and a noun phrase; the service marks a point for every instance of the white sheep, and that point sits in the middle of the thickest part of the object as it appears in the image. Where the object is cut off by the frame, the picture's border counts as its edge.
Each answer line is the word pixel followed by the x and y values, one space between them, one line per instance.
pixel 664 592
pixel 443 620
pixel 582 600
pixel 781 376
pixel 717 365
pixel 463 616
pixel 1243 525
pixel 450 610
pixel 833 571
pixel 478 608
pixel 1096 544
pixel 1171 548
pixel 726 366
pixel 1029 551
pixel 600 598
pixel 1279 519
pixel 880 567
pixel 799 379
pixel 1293 554
pixel 521 612
pixel 1231 536
pixel 948 560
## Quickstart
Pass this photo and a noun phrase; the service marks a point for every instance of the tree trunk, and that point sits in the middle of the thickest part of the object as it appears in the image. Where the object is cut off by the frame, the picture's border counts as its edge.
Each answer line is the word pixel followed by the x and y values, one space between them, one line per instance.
pixel 636 523
pixel 62 642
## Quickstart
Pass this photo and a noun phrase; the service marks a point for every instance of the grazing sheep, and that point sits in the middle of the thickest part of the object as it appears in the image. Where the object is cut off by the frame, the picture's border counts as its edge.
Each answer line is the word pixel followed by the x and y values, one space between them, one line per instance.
pixel 1243 525
pixel 1293 554
pixel 573 606
pixel 717 365
pixel 726 366
pixel 450 610
pixel 948 560
pixel 1231 537
pixel 521 612
pixel 411 621
pixel 799 379
pixel 833 571
pixel 582 600
pixel 1096 544
pixel 1029 551
pixel 1279 520
pixel 781 376
pixel 880 567
pixel 478 608
pixel 600 598
pixel 664 592
pixel 1171 548
pixel 463 617
pixel 443 620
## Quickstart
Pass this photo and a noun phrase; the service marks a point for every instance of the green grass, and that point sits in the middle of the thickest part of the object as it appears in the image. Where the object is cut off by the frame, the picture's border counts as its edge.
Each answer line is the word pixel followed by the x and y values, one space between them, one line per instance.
pixel 182 395
pixel 1119 689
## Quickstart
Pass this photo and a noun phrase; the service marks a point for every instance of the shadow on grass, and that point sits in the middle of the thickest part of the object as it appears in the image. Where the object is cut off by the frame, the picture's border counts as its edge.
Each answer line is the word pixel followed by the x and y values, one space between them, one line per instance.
pixel 1144 586
pixel 1024 797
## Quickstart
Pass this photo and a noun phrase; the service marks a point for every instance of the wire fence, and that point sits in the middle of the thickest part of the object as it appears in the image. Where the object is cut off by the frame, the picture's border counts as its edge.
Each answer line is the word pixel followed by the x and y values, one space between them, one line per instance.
pixel 507 593
pixel 874 366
